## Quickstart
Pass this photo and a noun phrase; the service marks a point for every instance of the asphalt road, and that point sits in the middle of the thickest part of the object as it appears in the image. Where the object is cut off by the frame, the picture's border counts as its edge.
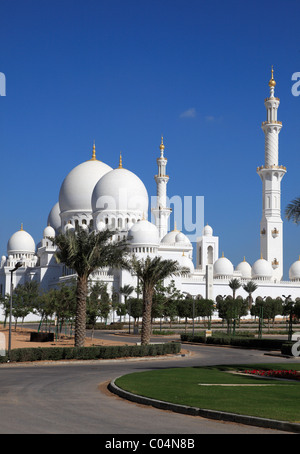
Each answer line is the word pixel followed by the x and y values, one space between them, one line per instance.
pixel 71 398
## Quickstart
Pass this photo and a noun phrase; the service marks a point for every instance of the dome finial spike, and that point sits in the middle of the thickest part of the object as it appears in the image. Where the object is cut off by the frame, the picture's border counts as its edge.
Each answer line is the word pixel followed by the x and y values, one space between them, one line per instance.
pixel 120 161
pixel 162 147
pixel 272 82
pixel 94 152
pixel 21 227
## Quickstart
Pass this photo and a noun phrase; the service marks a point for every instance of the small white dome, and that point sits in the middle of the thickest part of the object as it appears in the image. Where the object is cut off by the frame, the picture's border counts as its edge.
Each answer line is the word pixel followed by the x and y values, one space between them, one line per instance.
pixel 143 232
pixel 101 226
pixel 20 242
pixel 120 191
pixel 77 188
pixel 262 269
pixel 170 238
pixel 49 232
pixel 182 239
pixel 207 231
pixel 54 217
pixel 294 271
pixel 223 267
pixel 244 268
pixel 69 227
pixel 187 263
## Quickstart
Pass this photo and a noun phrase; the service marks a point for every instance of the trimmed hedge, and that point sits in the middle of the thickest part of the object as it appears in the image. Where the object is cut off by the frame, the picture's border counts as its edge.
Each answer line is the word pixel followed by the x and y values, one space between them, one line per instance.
pixel 88 353
pixel 266 344
pixel 286 348
pixel 103 326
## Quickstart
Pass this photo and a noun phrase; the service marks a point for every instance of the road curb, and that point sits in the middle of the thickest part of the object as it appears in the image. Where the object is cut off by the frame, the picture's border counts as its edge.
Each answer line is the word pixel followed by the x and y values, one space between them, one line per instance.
pixel 209 414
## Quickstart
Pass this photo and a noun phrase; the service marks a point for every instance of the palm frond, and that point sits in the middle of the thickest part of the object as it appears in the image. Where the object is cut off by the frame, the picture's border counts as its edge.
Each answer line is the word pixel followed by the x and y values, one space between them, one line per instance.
pixel 292 211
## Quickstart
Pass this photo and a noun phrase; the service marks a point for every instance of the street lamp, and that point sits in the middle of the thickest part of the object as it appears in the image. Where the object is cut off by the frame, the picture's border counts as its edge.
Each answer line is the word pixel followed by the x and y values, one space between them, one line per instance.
pixel 18 265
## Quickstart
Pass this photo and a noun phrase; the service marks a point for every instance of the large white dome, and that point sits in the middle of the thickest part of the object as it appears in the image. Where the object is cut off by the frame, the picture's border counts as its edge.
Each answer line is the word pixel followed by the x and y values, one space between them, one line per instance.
pixel 294 271
pixel 143 233
pixel 245 269
pixel 77 188
pixel 120 191
pixel 223 267
pixel 20 243
pixel 54 217
pixel 262 269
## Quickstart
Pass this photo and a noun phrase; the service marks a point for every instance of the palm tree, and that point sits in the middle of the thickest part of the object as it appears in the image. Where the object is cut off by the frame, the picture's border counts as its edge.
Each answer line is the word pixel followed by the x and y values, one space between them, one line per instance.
pixel 292 211
pixel 150 271
pixel 234 284
pixel 250 287
pixel 84 252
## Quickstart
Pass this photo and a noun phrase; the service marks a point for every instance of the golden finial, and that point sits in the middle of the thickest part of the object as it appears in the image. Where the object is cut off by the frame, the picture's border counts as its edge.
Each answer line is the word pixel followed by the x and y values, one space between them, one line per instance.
pixel 222 254
pixel 244 259
pixel 272 82
pixel 261 256
pixel 94 153
pixel 299 258
pixel 175 227
pixel 120 161
pixel 162 147
pixel 183 254
pixel 21 227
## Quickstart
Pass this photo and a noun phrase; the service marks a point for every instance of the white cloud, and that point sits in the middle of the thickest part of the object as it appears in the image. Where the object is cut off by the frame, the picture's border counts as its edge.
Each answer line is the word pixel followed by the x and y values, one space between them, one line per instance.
pixel 189 113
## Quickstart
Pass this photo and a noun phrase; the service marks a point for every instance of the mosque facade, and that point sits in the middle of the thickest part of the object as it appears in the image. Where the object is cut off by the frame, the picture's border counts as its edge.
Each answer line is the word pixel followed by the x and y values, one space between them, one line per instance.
pixel 95 196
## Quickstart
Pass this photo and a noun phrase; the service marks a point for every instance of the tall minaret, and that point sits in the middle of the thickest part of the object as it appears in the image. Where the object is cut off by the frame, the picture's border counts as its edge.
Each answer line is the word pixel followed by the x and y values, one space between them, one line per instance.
pixel 271 174
pixel 161 211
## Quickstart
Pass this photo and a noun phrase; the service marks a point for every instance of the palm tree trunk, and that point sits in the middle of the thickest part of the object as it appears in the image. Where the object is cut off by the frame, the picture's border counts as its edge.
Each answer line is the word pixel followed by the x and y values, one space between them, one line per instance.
pixel 80 321
pixel 146 321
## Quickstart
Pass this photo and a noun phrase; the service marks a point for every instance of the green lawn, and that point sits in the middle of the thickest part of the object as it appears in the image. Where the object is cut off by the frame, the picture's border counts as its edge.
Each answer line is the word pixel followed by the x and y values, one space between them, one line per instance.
pixel 279 401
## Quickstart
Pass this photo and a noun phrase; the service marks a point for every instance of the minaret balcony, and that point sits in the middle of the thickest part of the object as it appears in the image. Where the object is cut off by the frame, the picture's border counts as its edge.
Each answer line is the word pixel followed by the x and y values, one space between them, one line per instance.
pixel 271 167
pixel 273 122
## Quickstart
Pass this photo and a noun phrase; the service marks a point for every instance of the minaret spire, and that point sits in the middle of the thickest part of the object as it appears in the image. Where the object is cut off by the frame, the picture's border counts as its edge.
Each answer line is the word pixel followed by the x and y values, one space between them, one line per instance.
pixel 161 211
pixel 120 161
pixel 271 175
pixel 272 83
pixel 94 153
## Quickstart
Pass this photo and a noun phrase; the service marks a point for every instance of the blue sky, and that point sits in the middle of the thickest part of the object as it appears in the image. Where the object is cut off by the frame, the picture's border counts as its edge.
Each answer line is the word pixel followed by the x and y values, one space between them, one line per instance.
pixel 124 72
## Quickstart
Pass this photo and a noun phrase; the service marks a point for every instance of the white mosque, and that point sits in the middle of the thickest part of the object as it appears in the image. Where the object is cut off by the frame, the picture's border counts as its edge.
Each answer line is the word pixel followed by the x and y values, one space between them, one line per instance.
pixel 94 196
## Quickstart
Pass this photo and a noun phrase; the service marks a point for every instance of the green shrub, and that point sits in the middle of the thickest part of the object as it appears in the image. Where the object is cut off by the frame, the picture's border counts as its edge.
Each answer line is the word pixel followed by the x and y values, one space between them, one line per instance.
pixel 286 348
pixel 103 326
pixel 89 353
pixel 246 342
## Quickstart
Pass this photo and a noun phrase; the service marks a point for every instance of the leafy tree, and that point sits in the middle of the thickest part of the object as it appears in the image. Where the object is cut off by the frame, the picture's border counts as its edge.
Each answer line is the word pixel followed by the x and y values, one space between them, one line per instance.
pixel 165 300
pixel 5 302
pixel 134 307
pixel 150 271
pixel 185 309
pixel 231 310
pixel 205 308
pixel 85 252
pixel 24 299
pixel 126 290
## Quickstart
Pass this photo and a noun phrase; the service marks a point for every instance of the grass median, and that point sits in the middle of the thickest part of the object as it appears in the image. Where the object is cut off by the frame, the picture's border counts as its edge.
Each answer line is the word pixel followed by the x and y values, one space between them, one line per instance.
pixel 222 388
